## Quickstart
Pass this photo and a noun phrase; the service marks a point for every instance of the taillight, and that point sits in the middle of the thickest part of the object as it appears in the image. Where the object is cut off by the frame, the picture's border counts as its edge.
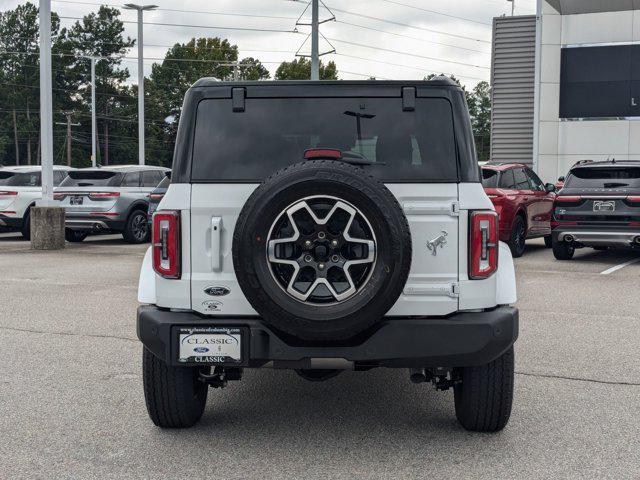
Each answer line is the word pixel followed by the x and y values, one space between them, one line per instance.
pixel 633 199
pixel 312 153
pixel 156 196
pixel 166 244
pixel 5 193
pixel 103 195
pixel 568 199
pixel 483 244
pixel 59 196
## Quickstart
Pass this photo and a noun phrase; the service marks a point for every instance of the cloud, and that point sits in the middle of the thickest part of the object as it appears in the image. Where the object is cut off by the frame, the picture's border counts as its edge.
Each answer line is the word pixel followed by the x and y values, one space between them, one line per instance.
pixel 362 49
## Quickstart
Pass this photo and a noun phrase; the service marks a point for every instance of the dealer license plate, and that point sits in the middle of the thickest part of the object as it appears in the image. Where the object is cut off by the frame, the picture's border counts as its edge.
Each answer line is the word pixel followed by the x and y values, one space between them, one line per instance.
pixel 211 345
pixel 604 206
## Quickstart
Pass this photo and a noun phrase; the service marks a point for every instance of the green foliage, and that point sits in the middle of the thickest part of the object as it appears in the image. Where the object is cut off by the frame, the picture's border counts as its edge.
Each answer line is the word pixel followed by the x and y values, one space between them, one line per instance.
pixel 300 69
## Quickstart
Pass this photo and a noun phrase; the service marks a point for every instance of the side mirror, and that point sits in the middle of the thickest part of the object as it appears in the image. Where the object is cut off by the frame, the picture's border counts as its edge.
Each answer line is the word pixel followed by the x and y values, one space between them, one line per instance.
pixel 550 187
pixel 561 179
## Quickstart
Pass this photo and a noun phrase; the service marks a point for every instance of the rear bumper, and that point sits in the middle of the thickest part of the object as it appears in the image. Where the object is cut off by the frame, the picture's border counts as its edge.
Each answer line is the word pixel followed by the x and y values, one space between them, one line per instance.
pixel 10 222
pixel 94 223
pixel 463 339
pixel 594 236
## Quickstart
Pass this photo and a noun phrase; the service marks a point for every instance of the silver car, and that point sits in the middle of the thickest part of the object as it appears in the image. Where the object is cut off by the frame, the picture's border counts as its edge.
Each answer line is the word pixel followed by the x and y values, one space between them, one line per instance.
pixel 108 199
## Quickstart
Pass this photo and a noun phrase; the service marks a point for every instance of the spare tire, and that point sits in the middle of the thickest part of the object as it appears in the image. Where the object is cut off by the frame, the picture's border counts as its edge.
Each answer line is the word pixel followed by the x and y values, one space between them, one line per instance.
pixel 322 250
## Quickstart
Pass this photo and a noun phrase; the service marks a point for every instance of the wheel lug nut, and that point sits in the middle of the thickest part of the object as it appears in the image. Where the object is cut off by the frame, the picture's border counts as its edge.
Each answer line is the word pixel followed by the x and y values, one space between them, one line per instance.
pixel 334 243
pixel 307 243
pixel 321 266
pixel 335 258
pixel 307 258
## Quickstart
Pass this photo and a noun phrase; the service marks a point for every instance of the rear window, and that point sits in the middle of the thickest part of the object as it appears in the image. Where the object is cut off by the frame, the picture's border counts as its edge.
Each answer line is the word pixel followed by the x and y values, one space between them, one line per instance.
pixel 92 178
pixel 164 183
pixel 604 177
pixel 405 146
pixel 14 179
pixel 489 178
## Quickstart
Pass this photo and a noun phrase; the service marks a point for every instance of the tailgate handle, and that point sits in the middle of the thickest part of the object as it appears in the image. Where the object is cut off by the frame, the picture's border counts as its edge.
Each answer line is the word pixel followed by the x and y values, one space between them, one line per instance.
pixel 216 229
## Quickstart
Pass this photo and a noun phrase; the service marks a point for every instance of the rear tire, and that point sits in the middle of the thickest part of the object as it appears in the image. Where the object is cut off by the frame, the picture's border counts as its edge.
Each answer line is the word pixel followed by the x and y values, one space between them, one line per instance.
pixel 548 241
pixel 563 250
pixel 484 397
pixel 75 236
pixel 136 229
pixel 175 396
pixel 518 237
pixel 25 230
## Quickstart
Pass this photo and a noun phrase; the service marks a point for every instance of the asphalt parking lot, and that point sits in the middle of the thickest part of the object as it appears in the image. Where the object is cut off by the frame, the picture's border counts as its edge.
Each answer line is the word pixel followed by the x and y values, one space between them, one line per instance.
pixel 71 401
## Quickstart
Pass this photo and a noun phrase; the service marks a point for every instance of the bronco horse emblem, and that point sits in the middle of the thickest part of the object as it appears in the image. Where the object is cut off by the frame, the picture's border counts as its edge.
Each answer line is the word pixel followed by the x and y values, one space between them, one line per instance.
pixel 439 241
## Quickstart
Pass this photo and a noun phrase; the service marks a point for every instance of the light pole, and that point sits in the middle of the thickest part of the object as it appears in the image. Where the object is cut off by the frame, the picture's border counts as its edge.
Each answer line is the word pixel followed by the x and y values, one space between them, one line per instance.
pixel 140 9
pixel 315 28
pixel 94 127
pixel 513 6
pixel 46 103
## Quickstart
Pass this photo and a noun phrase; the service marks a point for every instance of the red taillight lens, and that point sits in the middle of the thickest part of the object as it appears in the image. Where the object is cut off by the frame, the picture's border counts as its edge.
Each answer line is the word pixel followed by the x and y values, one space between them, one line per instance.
pixel 483 244
pixel 4 193
pixel 633 199
pixel 166 244
pixel 103 195
pixel 59 196
pixel 156 196
pixel 322 153
pixel 568 199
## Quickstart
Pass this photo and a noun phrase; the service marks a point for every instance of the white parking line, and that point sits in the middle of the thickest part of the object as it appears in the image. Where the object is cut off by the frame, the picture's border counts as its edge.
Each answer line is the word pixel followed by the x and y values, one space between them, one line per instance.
pixel 619 267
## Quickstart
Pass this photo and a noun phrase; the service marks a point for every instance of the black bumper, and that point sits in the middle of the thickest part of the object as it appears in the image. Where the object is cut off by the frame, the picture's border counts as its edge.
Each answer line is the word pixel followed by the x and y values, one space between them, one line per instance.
pixel 93 223
pixel 463 339
pixel 10 222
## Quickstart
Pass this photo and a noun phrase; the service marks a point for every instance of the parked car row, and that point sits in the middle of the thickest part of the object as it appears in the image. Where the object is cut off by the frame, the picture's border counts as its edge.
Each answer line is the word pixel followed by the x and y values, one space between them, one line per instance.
pixel 96 200
pixel 597 205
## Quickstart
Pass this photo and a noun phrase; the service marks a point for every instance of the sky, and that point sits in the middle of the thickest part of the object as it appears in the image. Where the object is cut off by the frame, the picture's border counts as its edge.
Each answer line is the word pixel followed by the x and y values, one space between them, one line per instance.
pixel 416 38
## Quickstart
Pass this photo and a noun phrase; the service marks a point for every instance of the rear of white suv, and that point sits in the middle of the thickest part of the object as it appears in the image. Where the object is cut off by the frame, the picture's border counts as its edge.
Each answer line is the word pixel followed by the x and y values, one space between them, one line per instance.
pixel 20 188
pixel 323 227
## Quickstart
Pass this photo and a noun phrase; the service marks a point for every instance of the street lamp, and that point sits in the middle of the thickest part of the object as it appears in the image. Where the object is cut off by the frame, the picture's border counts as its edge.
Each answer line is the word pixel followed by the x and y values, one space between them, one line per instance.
pixel 513 6
pixel 140 9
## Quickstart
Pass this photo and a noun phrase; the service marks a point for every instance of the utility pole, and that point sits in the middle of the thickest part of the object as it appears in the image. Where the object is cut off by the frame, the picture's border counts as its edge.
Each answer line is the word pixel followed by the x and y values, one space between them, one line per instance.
pixel 315 36
pixel 315 29
pixel 93 112
pixel 46 221
pixel 140 9
pixel 69 125
pixel 513 6
pixel 46 103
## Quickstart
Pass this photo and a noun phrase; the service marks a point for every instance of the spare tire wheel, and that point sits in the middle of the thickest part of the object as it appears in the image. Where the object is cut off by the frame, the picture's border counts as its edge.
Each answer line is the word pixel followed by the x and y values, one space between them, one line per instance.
pixel 322 250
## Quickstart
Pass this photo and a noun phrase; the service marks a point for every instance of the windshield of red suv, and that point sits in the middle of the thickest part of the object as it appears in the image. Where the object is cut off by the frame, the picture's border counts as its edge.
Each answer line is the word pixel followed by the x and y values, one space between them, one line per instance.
pixel 489 178
pixel 604 177
pixel 14 179
pixel 271 133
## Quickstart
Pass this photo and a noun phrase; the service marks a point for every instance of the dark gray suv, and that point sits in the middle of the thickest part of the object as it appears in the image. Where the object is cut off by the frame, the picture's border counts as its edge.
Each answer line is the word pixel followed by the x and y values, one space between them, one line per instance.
pixel 109 199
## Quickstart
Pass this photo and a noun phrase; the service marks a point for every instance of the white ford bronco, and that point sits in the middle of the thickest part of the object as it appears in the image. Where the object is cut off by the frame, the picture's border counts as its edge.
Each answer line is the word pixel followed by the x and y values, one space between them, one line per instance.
pixel 323 227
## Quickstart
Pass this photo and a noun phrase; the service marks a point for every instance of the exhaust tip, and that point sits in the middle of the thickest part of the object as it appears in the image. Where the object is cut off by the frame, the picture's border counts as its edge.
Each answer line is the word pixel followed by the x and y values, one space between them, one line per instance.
pixel 636 240
pixel 418 375
pixel 568 238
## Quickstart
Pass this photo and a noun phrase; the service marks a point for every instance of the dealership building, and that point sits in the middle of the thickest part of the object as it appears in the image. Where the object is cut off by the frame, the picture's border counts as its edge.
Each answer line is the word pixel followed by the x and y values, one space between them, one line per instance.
pixel 566 85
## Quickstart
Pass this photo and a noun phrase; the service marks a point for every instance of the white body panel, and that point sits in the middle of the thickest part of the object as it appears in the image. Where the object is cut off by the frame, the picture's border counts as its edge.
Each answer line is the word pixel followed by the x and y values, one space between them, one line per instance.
pixel 437 285
pixel 26 197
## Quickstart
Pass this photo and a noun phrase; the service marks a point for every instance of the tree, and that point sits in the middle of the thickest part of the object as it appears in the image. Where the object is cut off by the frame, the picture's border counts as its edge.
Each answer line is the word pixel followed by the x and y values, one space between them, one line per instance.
pixel 252 69
pixel 300 69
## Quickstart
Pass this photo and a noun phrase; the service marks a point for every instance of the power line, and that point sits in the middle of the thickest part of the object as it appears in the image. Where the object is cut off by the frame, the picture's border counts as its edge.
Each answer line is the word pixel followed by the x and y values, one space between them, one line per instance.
pixel 410 37
pixel 369 17
pixel 417 68
pixel 406 53
pixel 434 12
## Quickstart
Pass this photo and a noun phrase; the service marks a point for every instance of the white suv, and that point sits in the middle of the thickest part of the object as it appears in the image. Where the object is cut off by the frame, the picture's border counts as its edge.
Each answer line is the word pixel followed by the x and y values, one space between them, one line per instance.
pixel 20 188
pixel 326 226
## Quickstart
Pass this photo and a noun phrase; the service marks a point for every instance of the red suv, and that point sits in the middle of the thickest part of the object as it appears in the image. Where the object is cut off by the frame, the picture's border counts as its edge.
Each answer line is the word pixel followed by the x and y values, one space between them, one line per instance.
pixel 524 204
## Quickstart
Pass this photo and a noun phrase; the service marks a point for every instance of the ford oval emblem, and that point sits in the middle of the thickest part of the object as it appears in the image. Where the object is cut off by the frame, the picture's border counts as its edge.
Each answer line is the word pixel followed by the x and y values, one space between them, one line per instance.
pixel 201 349
pixel 217 291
